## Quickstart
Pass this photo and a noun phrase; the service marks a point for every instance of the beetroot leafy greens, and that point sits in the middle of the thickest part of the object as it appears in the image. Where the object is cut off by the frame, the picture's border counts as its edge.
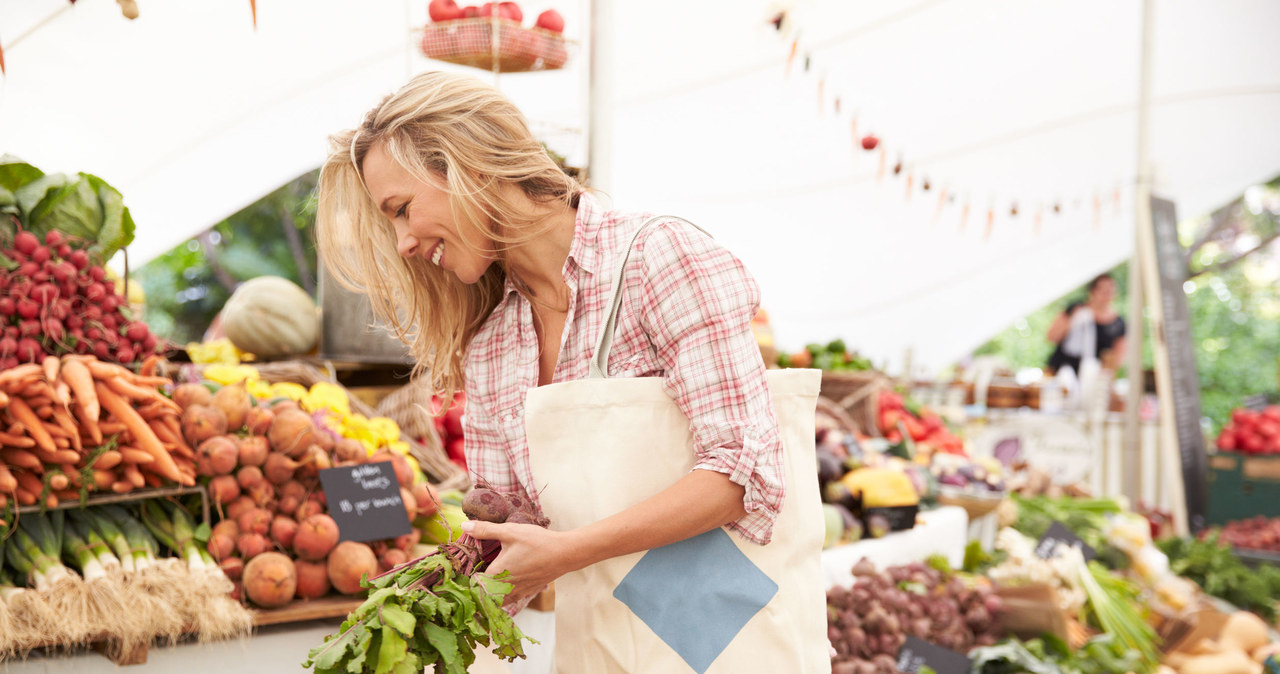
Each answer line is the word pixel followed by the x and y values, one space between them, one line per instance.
pixel 430 611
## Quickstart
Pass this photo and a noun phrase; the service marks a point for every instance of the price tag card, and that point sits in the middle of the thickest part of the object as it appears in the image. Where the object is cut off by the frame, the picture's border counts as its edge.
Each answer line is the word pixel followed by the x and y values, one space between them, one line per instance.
pixel 364 501
pixel 916 654
pixel 1059 534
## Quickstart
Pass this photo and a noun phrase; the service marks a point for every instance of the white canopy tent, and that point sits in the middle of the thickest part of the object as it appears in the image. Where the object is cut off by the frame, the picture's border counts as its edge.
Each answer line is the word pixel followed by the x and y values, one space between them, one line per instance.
pixel 193 114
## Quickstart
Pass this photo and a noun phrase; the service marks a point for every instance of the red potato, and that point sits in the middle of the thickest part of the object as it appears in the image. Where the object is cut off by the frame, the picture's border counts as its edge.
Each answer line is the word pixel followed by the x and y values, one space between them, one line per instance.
pixel 348 563
pixel 313 579
pixel 283 531
pixel 316 536
pixel 270 580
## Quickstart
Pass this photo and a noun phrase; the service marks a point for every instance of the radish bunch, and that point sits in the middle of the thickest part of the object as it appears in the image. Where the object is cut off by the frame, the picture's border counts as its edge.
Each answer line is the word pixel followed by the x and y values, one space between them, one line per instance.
pixel 54 300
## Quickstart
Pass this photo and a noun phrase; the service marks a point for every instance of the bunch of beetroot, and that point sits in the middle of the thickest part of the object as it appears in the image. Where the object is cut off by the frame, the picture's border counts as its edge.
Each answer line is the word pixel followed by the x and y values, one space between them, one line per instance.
pixel 868 623
pixel 54 300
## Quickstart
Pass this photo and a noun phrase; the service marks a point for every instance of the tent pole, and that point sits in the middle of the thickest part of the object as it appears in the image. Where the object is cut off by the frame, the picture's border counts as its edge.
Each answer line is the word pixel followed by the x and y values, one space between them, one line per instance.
pixel 1131 466
pixel 600 97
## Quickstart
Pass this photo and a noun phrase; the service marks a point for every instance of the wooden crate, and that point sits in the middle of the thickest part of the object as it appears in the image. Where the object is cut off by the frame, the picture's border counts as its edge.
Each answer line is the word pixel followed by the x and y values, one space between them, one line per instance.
pixel 1242 486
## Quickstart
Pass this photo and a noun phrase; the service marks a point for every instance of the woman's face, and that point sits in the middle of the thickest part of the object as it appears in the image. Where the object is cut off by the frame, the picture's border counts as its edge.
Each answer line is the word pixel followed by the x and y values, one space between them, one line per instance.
pixel 1104 291
pixel 423 222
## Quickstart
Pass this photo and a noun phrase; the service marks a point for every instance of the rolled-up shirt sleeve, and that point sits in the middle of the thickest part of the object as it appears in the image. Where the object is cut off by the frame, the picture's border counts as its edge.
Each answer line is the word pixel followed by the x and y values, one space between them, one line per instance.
pixel 697 302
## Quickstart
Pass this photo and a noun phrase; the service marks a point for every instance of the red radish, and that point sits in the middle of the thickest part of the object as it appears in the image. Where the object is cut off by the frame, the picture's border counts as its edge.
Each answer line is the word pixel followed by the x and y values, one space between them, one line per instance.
pixel 444 10
pixel 26 243
pixel 126 355
pixel 53 329
pixel 95 292
pixel 93 312
pixel 53 238
pixel 551 20
pixel 12 332
pixel 64 251
pixel 74 322
pixel 137 331
pixel 109 304
pixel 29 328
pixel 102 351
pixel 27 308
pixel 149 344
pixel 7 306
pixel 29 350
pixel 40 254
pixel 8 346
pixel 98 274
pixel 79 259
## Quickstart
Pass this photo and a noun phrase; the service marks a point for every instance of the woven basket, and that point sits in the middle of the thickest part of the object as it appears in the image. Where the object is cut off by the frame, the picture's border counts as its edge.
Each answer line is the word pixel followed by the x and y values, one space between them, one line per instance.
pixel 831 415
pixel 858 393
pixel 429 453
pixel 469 42
pixel 409 407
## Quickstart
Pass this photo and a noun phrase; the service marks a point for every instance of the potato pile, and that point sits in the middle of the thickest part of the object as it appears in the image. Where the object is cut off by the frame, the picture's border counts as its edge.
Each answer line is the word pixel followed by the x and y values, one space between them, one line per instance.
pixel 261 461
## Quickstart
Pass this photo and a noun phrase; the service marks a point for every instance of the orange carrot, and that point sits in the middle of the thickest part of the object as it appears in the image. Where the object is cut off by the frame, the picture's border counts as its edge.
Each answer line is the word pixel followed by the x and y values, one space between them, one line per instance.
pixel 135 456
pixel 9 440
pixel 103 370
pixel 67 495
pixel 148 367
pixel 103 479
pixel 63 418
pixel 36 402
pixel 29 482
pixel 154 480
pixel 143 435
pixel 108 459
pixel 23 414
pixel 51 366
pixel 19 373
pixel 80 380
pixel 4 399
pixel 37 388
pixel 134 392
pixel 62 393
pixel 152 410
pixel 111 427
pixel 88 426
pixel 25 497
pixel 66 456
pixel 51 501
pixel 72 473
pixel 7 481
pixel 152 381
pixel 59 441
pixel 44 411
pixel 133 475
pixel 4 501
pixel 59 481
pixel 21 458
pixel 122 487
pixel 55 431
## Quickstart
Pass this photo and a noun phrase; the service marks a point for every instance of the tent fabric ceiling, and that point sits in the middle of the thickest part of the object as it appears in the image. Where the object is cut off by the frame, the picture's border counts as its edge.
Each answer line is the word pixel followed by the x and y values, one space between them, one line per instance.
pixel 193 114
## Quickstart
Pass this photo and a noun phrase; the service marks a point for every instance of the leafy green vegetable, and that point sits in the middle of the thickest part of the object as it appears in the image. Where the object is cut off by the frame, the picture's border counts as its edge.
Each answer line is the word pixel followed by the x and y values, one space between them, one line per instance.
pixel 977 560
pixel 1220 573
pixel 83 206
pixel 1112 607
pixel 424 614
pixel 1050 655
pixel 1085 517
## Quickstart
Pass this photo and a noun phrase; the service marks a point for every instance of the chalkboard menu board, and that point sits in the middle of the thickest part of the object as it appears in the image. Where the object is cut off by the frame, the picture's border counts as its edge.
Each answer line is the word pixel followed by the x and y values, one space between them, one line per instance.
pixel 364 501
pixel 1176 334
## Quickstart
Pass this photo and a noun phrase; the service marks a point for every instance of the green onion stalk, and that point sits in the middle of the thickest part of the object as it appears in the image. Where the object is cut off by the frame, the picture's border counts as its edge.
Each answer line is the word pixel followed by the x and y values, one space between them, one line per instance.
pixel 1111 601
pixel 107 530
pixel 176 531
pixel 35 550
pixel 41 539
pixel 143 548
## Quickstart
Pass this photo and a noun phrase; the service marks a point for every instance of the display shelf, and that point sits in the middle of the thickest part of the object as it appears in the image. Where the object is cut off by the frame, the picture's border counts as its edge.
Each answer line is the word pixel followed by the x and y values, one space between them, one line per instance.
pixel 303 610
pixel 144 494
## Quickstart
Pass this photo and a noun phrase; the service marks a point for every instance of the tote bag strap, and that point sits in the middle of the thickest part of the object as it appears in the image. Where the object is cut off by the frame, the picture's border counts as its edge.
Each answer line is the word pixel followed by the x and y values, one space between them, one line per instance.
pixel 600 356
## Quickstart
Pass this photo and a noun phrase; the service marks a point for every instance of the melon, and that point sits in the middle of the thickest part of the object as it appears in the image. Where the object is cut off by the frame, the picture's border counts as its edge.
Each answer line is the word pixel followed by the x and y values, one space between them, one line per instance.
pixel 271 317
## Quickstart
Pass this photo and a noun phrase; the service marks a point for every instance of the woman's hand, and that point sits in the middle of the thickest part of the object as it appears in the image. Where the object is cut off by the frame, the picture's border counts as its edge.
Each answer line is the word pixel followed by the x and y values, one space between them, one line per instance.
pixel 534 556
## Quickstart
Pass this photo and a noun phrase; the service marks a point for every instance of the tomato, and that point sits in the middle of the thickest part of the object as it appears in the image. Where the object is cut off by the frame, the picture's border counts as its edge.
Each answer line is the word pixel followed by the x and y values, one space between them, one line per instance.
pixel 914 428
pixel 1227 440
pixel 1251 442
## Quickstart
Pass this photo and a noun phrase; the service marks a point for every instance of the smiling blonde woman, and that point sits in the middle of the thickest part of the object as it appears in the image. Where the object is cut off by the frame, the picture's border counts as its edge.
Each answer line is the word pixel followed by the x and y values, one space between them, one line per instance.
pixel 510 281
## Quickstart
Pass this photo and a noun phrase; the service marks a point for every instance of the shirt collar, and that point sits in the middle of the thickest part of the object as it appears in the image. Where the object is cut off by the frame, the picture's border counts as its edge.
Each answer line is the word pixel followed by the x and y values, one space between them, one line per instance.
pixel 582 251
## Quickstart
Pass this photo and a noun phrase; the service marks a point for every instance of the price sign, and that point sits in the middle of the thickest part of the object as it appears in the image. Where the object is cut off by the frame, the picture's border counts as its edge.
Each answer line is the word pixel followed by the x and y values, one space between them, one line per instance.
pixel 364 500
pixel 1059 534
pixel 917 654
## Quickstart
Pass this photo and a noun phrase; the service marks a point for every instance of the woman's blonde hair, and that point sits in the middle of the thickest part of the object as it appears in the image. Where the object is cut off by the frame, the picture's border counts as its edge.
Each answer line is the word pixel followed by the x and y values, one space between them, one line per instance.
pixel 457 132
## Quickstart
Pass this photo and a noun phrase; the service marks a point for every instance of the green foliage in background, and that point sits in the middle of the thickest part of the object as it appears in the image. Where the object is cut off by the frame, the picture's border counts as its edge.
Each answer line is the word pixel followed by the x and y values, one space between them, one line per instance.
pixel 1233 299
pixel 187 286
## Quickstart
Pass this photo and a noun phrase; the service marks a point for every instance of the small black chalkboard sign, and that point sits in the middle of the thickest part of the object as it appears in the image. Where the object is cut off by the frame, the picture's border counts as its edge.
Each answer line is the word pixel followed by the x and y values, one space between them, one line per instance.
pixel 917 653
pixel 364 500
pixel 1059 534
pixel 1256 402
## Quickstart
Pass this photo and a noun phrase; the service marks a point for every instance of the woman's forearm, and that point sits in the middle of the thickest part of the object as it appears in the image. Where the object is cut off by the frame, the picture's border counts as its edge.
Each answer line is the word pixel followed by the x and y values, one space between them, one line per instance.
pixel 697 503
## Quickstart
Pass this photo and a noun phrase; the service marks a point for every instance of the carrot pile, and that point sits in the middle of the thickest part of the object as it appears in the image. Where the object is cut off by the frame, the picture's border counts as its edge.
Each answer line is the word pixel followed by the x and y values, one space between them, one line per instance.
pixel 73 424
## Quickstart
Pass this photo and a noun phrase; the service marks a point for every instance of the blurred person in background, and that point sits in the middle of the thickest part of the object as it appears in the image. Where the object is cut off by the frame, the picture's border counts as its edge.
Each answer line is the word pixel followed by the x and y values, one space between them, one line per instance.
pixel 1088 330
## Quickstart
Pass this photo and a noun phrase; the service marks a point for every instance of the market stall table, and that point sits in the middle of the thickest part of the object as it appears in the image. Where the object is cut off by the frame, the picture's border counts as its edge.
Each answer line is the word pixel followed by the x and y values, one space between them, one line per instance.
pixel 943 531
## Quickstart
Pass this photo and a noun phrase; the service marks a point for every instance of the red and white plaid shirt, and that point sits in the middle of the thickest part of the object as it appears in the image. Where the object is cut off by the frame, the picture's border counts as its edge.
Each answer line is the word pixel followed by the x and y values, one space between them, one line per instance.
pixel 686 317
